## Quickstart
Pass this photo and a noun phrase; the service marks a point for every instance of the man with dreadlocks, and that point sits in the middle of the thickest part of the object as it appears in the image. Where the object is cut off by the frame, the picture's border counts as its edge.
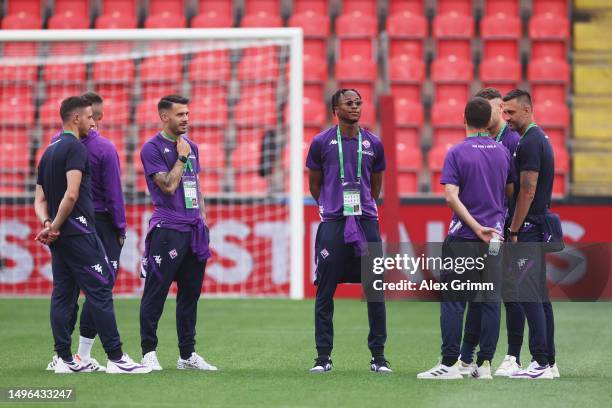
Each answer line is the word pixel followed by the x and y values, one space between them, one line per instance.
pixel 345 165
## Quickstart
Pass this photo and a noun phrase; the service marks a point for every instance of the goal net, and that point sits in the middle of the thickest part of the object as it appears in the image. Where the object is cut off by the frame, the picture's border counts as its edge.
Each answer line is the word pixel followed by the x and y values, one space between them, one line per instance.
pixel 245 115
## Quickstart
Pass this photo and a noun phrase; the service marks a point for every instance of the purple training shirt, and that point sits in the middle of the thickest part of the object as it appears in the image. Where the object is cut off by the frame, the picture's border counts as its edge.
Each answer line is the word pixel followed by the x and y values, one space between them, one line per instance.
pixel 323 156
pixel 481 168
pixel 105 178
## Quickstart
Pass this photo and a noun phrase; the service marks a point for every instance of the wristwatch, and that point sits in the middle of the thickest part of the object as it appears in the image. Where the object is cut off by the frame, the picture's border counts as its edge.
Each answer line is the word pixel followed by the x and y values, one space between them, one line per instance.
pixel 512 233
pixel 183 159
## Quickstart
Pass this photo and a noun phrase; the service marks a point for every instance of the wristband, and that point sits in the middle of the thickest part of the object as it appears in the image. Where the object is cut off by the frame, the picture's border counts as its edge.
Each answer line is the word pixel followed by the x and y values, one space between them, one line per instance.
pixel 45 221
pixel 183 159
pixel 512 233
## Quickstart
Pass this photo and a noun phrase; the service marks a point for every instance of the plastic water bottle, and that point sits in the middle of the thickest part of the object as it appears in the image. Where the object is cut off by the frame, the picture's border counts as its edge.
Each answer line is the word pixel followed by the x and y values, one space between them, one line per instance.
pixel 494 245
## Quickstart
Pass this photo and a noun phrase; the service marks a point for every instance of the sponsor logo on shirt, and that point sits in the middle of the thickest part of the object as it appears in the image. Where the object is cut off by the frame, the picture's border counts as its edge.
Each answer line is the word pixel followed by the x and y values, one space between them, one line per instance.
pixel 97 268
pixel 173 254
pixel 82 220
pixel 157 259
pixel 368 152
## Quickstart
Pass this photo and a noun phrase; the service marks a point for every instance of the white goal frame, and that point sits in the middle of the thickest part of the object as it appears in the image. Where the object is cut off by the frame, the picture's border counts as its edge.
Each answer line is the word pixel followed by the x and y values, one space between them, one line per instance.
pixel 295 38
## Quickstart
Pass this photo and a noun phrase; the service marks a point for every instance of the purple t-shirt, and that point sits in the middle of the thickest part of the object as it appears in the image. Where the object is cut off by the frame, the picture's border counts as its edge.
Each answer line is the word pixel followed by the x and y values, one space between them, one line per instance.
pixel 105 178
pixel 323 156
pixel 159 155
pixel 481 168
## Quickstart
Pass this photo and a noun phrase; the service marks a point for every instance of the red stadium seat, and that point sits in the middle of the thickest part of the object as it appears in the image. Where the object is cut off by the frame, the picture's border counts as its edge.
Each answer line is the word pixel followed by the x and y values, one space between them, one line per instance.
pixel 250 183
pixel 259 67
pixel 315 112
pixel 400 6
pixel 68 20
pixel 255 111
pixel 261 19
pixel 59 91
pixel 316 6
pixel 408 113
pixel 155 90
pixel 65 73
pixel 116 111
pixel 13 182
pixel 118 91
pixel 356 34
pixel 501 73
pixel 78 7
pixel 124 7
pixel 316 31
pixel 212 19
pixel 208 135
pixel 549 34
pixel 14 111
pixel 509 7
pixel 166 20
pixel 453 33
pixel 162 68
pixel 212 156
pixel 119 71
pixel 500 35
pixel 436 162
pixel 451 77
pixel 358 73
pixel 175 7
pixel 455 6
pixel 209 111
pixel 447 122
pixel 271 7
pixel 15 156
pixel 554 118
pixel 116 20
pixel 315 69
pixel 18 73
pixel 11 89
pixel 208 90
pixel 556 7
pixel 407 33
pixel 246 156
pixel 31 7
pixel 211 66
pixel 146 113
pixel 549 79
pixel 21 21
pixel 562 169
pixel 367 7
pixel 406 75
pixel 409 164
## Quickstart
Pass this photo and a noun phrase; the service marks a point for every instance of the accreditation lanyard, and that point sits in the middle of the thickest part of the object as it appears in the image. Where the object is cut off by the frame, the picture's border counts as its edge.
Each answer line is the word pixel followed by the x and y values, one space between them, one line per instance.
pixel 351 191
pixel 190 186
pixel 478 134
pixel 531 125
pixel 501 131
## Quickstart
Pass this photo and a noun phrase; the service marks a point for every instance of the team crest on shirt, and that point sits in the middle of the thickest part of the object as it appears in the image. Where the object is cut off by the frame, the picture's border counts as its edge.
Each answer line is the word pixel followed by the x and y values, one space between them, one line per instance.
pixel 366 144
pixel 115 265
pixel 173 254
pixel 157 259
pixel 324 253
pixel 97 268
pixel 82 220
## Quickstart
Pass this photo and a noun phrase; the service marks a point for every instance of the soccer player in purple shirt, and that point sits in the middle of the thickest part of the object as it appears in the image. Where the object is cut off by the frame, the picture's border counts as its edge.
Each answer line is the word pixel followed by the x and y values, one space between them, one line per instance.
pixel 535 168
pixel 515 319
pixel 63 202
pixel 176 246
pixel 477 177
pixel 345 163
pixel 109 210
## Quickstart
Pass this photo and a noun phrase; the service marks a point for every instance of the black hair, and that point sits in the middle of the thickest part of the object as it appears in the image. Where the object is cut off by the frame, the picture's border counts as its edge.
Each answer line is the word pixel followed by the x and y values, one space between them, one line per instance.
pixel 489 94
pixel 71 104
pixel 336 97
pixel 522 96
pixel 92 97
pixel 167 101
pixel 477 113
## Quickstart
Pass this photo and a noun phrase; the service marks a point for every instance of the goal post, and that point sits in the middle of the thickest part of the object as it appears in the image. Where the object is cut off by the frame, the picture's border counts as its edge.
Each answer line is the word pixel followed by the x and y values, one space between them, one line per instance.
pixel 246 116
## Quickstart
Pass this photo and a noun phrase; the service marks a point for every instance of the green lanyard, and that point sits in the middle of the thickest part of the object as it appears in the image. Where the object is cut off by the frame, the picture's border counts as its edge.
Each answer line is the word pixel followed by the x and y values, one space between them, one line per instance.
pixel 531 125
pixel 341 157
pixel 499 134
pixel 478 134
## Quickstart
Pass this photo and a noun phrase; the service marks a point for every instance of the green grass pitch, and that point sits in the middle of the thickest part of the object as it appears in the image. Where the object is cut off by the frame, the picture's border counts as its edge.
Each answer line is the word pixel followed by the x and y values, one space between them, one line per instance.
pixel 264 349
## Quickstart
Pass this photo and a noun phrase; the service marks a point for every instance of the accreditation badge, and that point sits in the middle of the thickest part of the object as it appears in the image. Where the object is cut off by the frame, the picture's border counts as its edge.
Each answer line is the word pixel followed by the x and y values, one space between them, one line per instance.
pixel 190 187
pixel 351 193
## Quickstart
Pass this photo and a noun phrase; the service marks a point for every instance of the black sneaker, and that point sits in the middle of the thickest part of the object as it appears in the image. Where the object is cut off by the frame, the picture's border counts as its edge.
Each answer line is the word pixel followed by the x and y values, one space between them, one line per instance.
pixel 321 365
pixel 380 365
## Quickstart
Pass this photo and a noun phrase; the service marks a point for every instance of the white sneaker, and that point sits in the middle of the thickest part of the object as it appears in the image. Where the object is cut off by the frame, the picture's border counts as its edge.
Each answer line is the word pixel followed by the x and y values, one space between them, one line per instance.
pixel 441 372
pixel 92 363
pixel 126 365
pixel 150 360
pixel 321 365
pixel 52 364
pixel 534 372
pixel 70 367
pixel 483 372
pixel 508 367
pixel 555 370
pixel 195 362
pixel 465 369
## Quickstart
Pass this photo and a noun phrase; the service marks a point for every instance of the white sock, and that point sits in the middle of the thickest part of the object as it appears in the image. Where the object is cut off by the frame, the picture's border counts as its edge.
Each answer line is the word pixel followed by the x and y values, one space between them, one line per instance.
pixel 85 346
